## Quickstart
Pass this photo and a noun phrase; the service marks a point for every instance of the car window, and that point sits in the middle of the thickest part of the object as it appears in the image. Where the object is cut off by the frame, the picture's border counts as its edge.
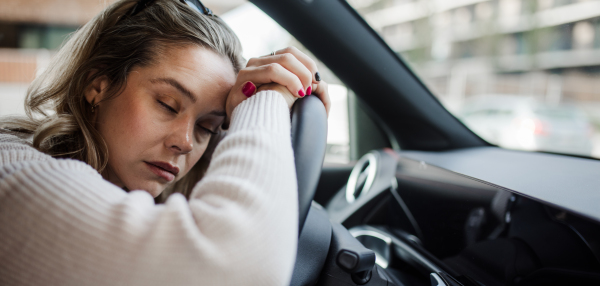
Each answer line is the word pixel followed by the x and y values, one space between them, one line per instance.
pixel 537 60
pixel 564 113
pixel 25 50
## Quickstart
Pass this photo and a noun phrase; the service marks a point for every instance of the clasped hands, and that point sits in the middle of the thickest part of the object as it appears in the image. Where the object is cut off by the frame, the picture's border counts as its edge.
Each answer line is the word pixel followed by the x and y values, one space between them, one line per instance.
pixel 288 71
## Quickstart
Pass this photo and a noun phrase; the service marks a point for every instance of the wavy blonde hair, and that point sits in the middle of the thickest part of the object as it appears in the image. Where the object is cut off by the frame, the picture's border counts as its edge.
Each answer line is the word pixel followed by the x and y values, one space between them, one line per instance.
pixel 111 44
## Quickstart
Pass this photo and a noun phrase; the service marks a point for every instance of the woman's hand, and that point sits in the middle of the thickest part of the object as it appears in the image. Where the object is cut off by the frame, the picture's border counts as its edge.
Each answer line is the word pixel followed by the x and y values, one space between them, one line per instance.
pixel 320 90
pixel 288 71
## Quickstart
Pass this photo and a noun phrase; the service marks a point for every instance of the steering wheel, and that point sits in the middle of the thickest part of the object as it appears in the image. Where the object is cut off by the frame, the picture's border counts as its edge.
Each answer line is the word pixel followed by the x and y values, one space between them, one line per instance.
pixel 309 140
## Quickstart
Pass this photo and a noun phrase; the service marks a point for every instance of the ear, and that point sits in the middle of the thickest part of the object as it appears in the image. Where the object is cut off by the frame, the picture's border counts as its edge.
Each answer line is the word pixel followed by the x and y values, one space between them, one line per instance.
pixel 95 92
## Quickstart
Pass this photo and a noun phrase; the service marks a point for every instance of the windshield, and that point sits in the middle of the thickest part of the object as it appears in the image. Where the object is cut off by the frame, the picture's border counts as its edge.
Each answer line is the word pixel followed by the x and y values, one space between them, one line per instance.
pixel 521 74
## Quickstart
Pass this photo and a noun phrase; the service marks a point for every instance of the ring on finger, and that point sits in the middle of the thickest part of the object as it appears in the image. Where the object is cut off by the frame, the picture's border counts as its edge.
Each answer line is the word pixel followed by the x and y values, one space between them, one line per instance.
pixel 272 53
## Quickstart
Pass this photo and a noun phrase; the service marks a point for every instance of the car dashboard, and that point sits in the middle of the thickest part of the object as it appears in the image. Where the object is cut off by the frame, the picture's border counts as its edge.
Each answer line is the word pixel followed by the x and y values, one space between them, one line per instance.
pixel 429 225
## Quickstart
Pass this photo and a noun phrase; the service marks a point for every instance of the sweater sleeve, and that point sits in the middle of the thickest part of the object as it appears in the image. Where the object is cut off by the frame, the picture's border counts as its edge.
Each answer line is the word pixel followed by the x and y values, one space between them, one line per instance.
pixel 62 224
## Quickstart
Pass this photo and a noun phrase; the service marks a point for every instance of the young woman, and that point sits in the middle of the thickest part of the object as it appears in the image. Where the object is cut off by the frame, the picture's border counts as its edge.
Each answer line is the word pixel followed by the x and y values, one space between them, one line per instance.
pixel 124 115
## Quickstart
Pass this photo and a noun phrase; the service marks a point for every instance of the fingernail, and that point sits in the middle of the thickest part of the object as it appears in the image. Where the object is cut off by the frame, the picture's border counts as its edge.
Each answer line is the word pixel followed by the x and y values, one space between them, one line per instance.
pixel 317 76
pixel 301 93
pixel 248 89
pixel 309 90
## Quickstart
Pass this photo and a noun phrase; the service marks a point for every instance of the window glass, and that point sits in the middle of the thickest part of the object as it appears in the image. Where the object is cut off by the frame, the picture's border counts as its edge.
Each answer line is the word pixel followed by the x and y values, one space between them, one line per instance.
pixel 521 74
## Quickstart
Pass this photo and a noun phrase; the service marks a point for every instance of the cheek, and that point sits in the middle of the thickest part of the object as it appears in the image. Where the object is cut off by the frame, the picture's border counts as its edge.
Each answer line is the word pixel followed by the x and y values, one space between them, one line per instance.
pixel 127 127
pixel 194 157
pixel 139 124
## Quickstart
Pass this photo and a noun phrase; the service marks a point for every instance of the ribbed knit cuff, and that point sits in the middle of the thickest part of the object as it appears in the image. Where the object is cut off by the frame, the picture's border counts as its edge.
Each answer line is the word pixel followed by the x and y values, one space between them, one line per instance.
pixel 14 149
pixel 265 110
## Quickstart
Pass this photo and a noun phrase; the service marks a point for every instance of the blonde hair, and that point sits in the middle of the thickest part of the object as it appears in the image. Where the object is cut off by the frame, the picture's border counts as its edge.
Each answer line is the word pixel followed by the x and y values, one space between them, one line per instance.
pixel 110 45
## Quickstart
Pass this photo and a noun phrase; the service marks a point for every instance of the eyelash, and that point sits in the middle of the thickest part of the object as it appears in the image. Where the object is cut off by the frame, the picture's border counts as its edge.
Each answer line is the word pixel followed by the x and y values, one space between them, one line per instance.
pixel 172 110
pixel 208 130
pixel 168 107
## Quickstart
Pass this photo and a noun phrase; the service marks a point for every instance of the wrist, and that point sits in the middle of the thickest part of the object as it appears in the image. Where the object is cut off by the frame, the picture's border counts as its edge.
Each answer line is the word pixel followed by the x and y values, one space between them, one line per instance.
pixel 265 110
pixel 282 91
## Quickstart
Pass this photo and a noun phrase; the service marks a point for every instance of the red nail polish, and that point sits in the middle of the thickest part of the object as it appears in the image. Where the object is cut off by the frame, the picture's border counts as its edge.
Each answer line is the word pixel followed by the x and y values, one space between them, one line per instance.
pixel 248 89
pixel 309 90
pixel 301 93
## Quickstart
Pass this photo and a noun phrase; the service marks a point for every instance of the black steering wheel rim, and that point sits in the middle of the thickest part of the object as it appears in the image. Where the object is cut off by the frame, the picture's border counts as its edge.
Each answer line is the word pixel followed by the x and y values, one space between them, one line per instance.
pixel 309 141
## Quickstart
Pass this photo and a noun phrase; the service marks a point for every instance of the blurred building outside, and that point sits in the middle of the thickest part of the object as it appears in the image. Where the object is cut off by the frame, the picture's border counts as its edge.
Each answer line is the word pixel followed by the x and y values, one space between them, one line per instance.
pixel 465 50
pixel 32 31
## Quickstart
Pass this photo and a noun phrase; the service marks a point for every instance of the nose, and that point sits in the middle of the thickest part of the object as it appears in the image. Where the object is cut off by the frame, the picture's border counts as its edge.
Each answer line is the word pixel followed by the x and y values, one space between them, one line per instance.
pixel 181 139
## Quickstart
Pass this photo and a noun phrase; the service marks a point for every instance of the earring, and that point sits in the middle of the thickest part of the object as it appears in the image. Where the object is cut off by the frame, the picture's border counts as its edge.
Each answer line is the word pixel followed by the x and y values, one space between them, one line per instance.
pixel 93 105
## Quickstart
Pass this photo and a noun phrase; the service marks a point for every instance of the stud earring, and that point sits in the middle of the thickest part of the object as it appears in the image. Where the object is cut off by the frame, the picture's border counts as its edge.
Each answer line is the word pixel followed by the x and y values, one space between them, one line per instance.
pixel 93 105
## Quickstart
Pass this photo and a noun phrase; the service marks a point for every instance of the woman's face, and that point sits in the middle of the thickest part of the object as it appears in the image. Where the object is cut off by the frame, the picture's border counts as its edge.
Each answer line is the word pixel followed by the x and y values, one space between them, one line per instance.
pixel 160 125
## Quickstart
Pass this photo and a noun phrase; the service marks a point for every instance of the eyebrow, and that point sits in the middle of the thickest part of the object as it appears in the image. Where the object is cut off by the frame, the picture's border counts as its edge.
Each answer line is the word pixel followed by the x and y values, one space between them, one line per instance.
pixel 174 83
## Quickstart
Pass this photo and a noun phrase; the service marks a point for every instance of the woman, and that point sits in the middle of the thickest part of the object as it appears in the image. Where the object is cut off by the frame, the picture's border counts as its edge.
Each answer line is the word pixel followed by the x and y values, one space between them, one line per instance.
pixel 130 103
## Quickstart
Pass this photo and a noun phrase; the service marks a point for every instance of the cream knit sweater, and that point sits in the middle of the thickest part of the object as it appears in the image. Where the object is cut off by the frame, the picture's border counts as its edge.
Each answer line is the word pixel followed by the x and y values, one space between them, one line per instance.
pixel 62 224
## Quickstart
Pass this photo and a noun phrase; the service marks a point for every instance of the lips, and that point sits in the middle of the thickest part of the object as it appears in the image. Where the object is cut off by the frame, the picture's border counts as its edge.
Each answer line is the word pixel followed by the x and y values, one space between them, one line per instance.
pixel 163 170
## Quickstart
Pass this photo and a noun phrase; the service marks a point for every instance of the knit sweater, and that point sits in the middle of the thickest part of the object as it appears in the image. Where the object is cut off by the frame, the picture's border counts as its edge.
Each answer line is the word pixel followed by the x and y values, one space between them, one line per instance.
pixel 61 223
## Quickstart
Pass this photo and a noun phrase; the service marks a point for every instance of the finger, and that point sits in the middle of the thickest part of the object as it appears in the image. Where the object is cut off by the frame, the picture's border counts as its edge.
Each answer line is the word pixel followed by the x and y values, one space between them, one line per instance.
pixel 322 92
pixel 269 55
pixel 238 93
pixel 289 62
pixel 303 58
pixel 270 73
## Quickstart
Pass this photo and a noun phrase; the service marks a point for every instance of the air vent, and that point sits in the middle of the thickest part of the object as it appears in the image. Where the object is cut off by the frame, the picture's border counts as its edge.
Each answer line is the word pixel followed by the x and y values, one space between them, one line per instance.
pixel 362 177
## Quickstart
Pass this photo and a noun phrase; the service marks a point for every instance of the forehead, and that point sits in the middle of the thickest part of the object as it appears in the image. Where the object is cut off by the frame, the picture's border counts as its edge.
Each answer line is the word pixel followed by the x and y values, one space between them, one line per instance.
pixel 206 74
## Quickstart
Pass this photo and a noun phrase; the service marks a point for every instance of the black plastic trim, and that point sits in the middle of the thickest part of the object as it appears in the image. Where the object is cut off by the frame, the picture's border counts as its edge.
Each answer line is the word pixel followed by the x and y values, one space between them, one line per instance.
pixel 565 182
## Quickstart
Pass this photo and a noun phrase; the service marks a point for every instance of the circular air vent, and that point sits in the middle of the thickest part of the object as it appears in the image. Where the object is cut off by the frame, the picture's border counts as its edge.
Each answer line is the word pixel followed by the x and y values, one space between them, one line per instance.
pixel 362 177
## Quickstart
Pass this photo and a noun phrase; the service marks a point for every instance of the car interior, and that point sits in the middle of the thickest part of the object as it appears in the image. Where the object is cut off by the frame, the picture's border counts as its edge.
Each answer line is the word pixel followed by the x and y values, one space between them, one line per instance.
pixel 429 202
pixel 424 200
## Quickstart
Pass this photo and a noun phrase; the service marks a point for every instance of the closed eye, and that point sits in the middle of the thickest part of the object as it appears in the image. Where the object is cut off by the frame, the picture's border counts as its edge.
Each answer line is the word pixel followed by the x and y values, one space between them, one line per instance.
pixel 167 107
pixel 207 130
